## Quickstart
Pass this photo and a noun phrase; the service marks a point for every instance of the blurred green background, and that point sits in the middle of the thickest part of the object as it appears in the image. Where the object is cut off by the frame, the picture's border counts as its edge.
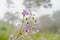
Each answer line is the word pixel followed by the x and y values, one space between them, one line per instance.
pixel 5 30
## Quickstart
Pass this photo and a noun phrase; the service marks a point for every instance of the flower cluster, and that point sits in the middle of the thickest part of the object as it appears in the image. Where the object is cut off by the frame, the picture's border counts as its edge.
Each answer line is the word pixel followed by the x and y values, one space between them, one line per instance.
pixel 27 27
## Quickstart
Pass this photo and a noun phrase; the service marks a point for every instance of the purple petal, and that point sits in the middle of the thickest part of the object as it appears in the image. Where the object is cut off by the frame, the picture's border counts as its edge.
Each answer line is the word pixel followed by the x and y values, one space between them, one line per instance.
pixel 26 28
pixel 25 12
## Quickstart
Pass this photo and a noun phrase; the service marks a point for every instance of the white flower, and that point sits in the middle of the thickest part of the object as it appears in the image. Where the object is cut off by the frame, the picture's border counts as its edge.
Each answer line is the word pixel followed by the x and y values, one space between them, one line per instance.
pixel 38 30
pixel 26 34
pixel 11 37
pixel 33 32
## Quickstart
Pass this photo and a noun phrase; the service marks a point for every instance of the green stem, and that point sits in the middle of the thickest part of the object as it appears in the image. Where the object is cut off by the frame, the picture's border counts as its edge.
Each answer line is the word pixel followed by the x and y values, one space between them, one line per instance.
pixel 21 25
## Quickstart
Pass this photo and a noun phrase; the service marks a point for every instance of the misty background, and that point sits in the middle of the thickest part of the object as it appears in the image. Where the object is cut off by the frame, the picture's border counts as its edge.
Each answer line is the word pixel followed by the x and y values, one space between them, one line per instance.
pixel 47 13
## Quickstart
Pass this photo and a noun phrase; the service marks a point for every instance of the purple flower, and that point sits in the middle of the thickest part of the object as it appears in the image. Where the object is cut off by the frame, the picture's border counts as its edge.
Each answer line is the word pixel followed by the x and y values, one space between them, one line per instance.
pixel 25 12
pixel 26 28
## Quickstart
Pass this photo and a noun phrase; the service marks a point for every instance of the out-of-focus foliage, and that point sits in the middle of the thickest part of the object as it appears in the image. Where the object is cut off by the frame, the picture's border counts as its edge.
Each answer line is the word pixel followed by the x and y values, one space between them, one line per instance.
pixel 51 24
pixel 5 30
pixel 56 17
pixel 11 17
pixel 9 2
pixel 46 22
pixel 48 25
pixel 33 4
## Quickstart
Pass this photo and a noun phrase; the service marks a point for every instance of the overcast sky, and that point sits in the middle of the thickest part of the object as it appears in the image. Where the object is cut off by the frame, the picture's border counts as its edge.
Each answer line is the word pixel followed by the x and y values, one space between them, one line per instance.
pixel 19 7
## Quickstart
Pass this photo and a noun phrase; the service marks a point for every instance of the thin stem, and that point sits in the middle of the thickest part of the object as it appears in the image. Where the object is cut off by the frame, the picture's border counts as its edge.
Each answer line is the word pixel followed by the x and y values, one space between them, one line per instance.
pixel 20 28
pixel 22 22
